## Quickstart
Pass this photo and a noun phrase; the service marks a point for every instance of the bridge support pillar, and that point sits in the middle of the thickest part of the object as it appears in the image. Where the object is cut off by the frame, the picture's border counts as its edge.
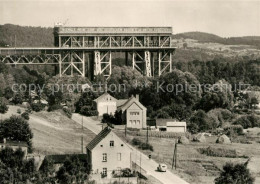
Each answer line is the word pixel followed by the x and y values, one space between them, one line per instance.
pixel 97 67
pixel 103 63
pixel 60 65
pixel 165 61
pixel 147 59
pixel 83 65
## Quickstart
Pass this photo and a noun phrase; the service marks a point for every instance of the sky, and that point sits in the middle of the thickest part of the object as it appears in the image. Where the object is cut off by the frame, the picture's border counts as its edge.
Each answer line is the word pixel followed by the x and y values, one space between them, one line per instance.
pixel 225 18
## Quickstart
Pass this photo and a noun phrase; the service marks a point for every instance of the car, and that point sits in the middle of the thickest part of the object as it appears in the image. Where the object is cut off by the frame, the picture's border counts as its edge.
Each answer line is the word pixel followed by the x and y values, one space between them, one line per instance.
pixel 162 167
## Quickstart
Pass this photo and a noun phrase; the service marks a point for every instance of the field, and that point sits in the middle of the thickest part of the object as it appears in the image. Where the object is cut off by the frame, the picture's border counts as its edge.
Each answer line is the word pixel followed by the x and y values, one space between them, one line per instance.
pixel 195 167
pixel 54 133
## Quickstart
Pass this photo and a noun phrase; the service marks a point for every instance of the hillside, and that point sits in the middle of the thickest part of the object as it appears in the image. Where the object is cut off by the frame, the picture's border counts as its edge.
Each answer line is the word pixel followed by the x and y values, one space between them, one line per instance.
pixel 207 37
pixel 53 132
pixel 25 36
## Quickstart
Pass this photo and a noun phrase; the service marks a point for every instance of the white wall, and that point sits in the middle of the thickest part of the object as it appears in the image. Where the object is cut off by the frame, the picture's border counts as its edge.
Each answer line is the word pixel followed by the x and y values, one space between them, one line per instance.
pixel 106 107
pixel 176 129
pixel 112 160
pixel 132 120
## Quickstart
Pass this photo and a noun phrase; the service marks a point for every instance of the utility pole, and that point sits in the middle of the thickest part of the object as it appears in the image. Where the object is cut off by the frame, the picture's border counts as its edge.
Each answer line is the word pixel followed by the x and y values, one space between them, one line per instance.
pixel 125 129
pixel 82 150
pixel 147 141
pixel 175 155
pixel 174 159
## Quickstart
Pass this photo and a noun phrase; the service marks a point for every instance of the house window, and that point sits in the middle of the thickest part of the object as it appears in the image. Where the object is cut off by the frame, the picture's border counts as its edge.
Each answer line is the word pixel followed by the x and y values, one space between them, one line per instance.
pixel 101 145
pixel 111 143
pixel 138 121
pixel 118 156
pixel 122 145
pixel 134 113
pixel 104 171
pixel 104 157
pixel 131 121
pixel 134 122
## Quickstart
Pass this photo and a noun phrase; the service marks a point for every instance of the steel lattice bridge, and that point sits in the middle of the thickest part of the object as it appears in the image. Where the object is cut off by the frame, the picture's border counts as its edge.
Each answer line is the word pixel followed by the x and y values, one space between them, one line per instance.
pixel 87 51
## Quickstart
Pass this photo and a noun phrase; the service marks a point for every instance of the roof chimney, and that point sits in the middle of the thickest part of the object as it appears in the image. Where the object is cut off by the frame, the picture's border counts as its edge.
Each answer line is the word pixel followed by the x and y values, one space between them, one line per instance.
pixel 137 97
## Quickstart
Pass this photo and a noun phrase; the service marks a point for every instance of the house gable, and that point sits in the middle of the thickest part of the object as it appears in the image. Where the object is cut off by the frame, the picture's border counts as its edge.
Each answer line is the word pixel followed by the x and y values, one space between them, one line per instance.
pixel 130 102
pixel 105 97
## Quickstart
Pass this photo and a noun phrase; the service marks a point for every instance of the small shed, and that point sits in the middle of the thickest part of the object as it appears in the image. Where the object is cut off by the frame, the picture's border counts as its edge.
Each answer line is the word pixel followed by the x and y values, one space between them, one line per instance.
pixel 171 125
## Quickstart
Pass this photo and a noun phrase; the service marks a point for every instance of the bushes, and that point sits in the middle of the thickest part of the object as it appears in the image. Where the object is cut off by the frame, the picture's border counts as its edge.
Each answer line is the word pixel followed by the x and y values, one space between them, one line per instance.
pixel 37 107
pixel 17 129
pixel 146 146
pixel 3 107
pixel 88 111
pixel 110 119
pixel 136 142
pixel 248 121
pixel 123 173
pixel 218 152
pixel 234 174
pixel 233 130
pixel 25 115
pixel 54 107
pixel 142 145
pixel 19 111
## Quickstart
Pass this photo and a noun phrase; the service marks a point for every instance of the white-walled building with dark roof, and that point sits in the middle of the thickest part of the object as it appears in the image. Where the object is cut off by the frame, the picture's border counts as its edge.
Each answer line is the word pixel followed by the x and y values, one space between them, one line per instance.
pixel 107 153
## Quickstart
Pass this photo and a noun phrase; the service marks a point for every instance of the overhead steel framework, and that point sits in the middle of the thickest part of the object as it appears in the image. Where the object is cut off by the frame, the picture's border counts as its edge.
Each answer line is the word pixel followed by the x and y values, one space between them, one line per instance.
pixel 87 51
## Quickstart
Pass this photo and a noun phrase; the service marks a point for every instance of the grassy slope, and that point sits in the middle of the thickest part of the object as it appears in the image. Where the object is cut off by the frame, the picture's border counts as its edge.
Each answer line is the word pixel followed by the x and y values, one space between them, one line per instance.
pixel 192 165
pixel 54 133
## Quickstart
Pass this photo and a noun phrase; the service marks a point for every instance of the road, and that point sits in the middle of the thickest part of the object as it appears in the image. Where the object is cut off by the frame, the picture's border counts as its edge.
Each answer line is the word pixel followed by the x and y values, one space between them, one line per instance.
pixel 147 164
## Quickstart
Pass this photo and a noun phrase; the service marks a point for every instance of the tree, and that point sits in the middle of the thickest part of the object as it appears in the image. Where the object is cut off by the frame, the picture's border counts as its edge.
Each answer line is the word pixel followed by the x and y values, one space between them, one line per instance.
pixel 185 45
pixel 220 116
pixel 3 107
pixel 25 115
pixel 218 96
pixel 73 171
pixel 17 129
pixel 248 121
pixel 235 174
pixel 125 79
pixel 47 168
pixel 86 99
pixel 8 93
pixel 178 87
pixel 18 98
pixel 201 119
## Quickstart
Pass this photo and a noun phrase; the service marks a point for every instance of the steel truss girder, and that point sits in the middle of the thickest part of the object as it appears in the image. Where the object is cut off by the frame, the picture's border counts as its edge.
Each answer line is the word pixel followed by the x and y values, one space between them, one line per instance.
pixel 103 63
pixel 113 41
pixel 74 61
pixel 30 59
pixel 165 61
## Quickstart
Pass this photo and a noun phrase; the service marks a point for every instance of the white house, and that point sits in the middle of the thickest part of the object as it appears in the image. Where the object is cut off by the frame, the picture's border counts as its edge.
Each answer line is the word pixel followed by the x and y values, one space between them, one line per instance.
pixel 105 104
pixel 133 113
pixel 107 153
pixel 171 125
pixel 14 145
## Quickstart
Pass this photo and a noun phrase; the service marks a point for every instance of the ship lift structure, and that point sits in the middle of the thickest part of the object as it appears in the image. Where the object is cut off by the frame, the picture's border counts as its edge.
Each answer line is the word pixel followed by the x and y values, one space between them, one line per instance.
pixel 87 51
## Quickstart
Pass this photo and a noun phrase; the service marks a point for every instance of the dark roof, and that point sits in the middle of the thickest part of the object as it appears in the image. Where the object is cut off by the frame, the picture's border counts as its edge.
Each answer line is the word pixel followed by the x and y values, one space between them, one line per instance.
pixel 129 102
pixel 14 143
pixel 98 138
pixel 163 122
pixel 121 102
pixel 59 159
